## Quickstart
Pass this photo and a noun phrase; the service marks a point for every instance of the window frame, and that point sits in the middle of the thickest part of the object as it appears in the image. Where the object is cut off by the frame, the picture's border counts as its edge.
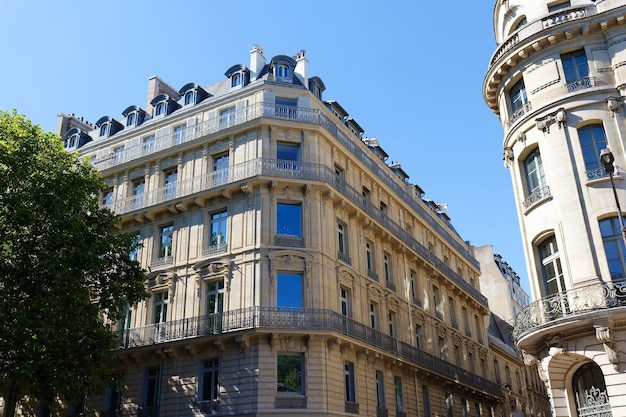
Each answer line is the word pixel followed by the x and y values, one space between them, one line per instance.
pixel 301 372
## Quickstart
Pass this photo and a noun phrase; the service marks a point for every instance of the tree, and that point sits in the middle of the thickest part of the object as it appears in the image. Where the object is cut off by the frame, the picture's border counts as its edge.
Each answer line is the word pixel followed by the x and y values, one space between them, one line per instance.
pixel 65 273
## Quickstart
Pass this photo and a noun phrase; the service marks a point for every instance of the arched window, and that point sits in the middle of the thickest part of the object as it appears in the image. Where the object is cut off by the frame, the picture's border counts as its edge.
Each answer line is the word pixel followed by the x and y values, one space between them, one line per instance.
pixel 160 109
pixel 614 249
pixel 590 391
pixel 536 185
pixel 104 130
pixel 551 266
pixel 189 97
pixel 130 119
pixel 592 141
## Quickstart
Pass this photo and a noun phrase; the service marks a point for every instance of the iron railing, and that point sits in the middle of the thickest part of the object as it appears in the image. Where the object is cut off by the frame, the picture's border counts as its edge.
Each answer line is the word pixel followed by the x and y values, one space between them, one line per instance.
pixel 272 318
pixel 305 115
pixel 536 196
pixel 582 83
pixel 570 304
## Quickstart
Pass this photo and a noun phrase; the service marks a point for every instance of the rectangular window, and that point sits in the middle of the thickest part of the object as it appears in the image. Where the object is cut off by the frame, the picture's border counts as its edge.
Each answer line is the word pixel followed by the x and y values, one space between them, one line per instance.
pixel 535 177
pixel 575 66
pixel 383 207
pixel 369 260
pixel 221 164
pixel 119 154
pixel 159 307
pixel 558 6
pixel 414 289
pixel 441 343
pixel 288 156
pixel 418 336
pixel 464 408
pixel 180 133
pixel 139 187
pixel 397 382
pixel 107 198
pixel 452 309
pixel 218 228
pixel 426 400
pixel 112 402
pixel 286 107
pixel 391 318
pixel 148 144
pixel 209 386
pixel 289 219
pixel 380 389
pixel 349 385
pixel 518 98
pixel 466 323
pixel 134 255
pixel 289 292
pixel 592 142
pixel 496 370
pixel 342 238
pixel 479 331
pixel 290 373
pixel 151 391
pixel 215 296
pixel 436 301
pixel 449 405
pixel 373 315
pixel 365 192
pixel 166 234
pixel 171 180
pixel 227 117
pixel 387 268
pixel 346 306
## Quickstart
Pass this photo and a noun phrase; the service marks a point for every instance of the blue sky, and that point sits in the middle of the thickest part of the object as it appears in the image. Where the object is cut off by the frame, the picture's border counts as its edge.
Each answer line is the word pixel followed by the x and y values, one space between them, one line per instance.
pixel 409 72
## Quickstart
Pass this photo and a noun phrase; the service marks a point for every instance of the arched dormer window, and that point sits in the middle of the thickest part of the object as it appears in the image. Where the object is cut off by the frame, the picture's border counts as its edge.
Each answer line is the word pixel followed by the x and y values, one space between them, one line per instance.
pixel 316 86
pixel 107 126
pixel 134 115
pixel 75 138
pixel 282 67
pixel 163 105
pixel 239 76
pixel 192 94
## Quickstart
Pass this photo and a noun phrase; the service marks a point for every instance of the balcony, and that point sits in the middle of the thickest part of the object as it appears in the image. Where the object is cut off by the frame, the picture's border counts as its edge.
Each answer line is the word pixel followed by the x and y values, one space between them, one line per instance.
pixel 568 305
pixel 270 319
pixel 271 110
pixel 580 84
pixel 289 241
pixel 536 196
pixel 214 250
pixel 352 407
pixel 517 114
pixel 344 258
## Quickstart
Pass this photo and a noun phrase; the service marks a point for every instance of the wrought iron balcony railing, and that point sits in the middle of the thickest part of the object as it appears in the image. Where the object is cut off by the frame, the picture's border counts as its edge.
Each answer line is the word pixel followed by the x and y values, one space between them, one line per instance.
pixel 272 318
pixel 536 196
pixel 517 114
pixel 299 114
pixel 586 82
pixel 570 304
pixel 597 173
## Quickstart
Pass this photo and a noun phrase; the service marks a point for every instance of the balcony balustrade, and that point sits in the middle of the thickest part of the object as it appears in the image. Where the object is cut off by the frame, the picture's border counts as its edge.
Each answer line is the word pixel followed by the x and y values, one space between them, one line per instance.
pixel 344 258
pixel 517 114
pixel 597 173
pixel 296 319
pixel 536 196
pixel 214 249
pixel 582 83
pixel 570 304
pixel 352 407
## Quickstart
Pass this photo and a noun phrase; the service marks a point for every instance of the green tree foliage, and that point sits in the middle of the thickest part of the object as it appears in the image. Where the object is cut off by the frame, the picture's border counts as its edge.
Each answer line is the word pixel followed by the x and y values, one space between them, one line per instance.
pixel 65 273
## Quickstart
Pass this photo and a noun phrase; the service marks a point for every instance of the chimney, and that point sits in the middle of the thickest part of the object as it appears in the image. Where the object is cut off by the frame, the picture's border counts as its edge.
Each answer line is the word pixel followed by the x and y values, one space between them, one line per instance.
pixel 257 61
pixel 302 70
pixel 157 86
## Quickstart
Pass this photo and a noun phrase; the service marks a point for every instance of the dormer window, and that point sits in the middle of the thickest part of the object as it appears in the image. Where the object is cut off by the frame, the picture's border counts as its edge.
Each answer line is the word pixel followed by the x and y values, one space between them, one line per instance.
pixel 107 126
pixel 159 110
pixel 282 71
pixel 75 138
pixel 104 130
pixel 192 94
pixel 134 115
pixel 71 142
pixel 239 76
pixel 316 86
pixel 282 67
pixel 130 119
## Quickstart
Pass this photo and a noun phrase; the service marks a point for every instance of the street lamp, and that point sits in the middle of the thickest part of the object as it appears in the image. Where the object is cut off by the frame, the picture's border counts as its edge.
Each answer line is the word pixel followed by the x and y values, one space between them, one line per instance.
pixel 607 158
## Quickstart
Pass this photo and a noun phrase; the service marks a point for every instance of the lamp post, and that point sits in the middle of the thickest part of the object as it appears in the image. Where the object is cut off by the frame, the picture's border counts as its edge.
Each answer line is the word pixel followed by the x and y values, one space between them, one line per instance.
pixel 607 158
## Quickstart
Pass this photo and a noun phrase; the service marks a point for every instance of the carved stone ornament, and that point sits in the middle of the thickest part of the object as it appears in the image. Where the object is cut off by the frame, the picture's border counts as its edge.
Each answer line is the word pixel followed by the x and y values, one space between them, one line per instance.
pixel 605 336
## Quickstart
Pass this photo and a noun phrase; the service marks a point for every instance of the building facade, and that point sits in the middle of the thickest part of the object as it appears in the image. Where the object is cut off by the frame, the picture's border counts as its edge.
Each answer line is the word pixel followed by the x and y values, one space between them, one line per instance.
pixel 556 82
pixel 291 268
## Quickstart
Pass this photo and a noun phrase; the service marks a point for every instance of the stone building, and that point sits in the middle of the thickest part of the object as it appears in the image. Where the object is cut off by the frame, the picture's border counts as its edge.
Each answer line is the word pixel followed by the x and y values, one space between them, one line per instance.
pixel 556 81
pixel 292 269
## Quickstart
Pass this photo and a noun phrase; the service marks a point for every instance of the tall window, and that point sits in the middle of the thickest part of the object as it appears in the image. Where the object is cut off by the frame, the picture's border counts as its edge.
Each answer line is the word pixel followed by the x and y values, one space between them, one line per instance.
pixel 346 306
pixel 436 301
pixel 139 187
pixel 112 402
pixel 218 228
pixel 426 400
pixel 159 110
pixel 369 256
pixel 221 162
pixel 551 266
pixel 464 408
pixel 209 385
pixel 373 315
pixel 282 71
pixel 289 219
pixel 342 238
pixel 107 197
pixel 227 117
pixel 590 388
pixel 414 290
pixel 452 308
pixel 215 296
pixel 189 97
pixel 449 405
pixel 290 373
pixel 166 234
pixel 592 141
pixel 387 268
pixel 391 319
pixel 614 248
pixel 159 307
pixel 466 323
pixel 517 95
pixel 380 389
pixel 575 65
pixel 148 144
pixel 289 290
pixel 418 336
pixel 349 385
pixel 180 133
pixel 171 179
pixel 496 370
pixel 288 156
pixel 151 390
pixel 535 178
pixel 397 384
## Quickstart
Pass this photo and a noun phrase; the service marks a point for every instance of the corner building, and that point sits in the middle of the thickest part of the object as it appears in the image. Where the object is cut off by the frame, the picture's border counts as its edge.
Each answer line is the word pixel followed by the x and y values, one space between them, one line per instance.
pixel 556 81
pixel 291 269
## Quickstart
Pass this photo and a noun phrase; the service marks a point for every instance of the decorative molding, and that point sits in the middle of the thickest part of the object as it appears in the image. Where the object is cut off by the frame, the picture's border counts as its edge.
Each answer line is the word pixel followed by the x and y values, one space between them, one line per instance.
pixel 604 335
pixel 559 117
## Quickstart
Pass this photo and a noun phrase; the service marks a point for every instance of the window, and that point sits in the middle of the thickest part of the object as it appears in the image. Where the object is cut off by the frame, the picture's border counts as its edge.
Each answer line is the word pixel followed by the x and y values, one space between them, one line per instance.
pixel 452 309
pixel 496 370
pixel 342 238
pixel 518 382
pixel 441 343
pixel 189 97
pixel 282 71
pixel 380 389
pixel 112 402
pixel 209 386
pixel 535 177
pixel 464 408
pixel 479 325
pixel 466 323
pixel 523 22
pixel 349 385
pixel 590 389
pixel 397 384
pixel 289 291
pixel 235 80
pixel 171 178
pixel 517 95
pixel 286 108
pixel 159 307
pixel 107 197
pixel 340 172
pixel 387 269
pixel 131 119
pixel 369 256
pixel 227 117
pixel 151 391
pixel 373 315
pixel 436 301
pixel 365 192
pixel 138 191
pixel 414 291
pixel 391 319
pixel 104 129
pixel 159 110
pixel 287 154
pixel 148 144
pixel 221 162
pixel 426 400
pixel 218 228
pixel 72 141
pixel 558 6
pixel 592 141
pixel 449 405
pixel 346 303
pixel 134 255
pixel 180 133
pixel 290 373
pixel 215 296
pixel 166 234
pixel 418 336
pixel 614 248
pixel 118 154
pixel 551 266
pixel 575 65
pixel 289 219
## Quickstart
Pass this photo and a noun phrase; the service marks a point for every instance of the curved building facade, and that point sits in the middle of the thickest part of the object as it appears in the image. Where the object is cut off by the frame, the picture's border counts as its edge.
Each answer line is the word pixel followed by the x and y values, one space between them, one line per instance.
pixel 556 82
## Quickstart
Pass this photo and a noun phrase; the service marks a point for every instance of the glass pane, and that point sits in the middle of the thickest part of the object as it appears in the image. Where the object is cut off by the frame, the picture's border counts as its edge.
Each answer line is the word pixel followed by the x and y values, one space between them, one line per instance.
pixel 289 373
pixel 289 219
pixel 289 290
pixel 288 152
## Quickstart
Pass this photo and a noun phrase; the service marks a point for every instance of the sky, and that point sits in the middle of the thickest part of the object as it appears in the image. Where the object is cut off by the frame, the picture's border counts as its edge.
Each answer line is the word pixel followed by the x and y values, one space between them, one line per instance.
pixel 409 72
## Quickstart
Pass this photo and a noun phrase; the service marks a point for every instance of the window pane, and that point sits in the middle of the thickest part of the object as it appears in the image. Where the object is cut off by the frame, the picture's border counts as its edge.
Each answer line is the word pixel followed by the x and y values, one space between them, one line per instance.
pixel 288 152
pixel 289 219
pixel 289 290
pixel 289 373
